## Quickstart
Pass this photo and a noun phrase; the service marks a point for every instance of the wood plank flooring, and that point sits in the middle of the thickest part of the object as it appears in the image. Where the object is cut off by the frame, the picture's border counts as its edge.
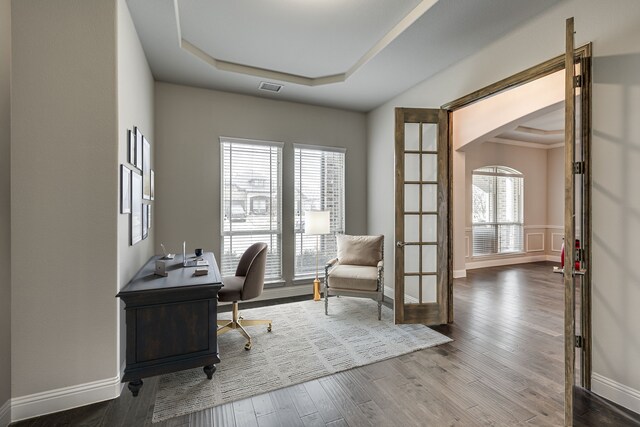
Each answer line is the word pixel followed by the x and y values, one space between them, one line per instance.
pixel 504 367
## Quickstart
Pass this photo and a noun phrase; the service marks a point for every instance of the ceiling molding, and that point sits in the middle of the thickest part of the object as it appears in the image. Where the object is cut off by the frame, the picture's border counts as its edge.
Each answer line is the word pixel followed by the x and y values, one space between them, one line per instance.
pixel 223 65
pixel 525 144
pixel 535 131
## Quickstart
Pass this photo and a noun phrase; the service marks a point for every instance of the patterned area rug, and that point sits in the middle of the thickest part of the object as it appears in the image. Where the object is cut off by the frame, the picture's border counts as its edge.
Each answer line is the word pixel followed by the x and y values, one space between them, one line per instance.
pixel 304 345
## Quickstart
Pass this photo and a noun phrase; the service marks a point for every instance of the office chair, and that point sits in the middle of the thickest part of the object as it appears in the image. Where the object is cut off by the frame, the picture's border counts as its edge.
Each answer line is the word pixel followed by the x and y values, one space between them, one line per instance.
pixel 245 285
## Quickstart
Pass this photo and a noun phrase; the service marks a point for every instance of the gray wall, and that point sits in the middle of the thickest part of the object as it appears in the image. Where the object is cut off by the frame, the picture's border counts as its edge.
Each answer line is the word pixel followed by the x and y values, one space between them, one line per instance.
pixel 135 108
pixel 5 209
pixel 64 194
pixel 189 122
pixel 614 32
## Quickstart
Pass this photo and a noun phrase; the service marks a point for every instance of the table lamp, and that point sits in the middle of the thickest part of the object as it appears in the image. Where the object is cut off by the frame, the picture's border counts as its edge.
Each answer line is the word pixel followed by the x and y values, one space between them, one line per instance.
pixel 316 222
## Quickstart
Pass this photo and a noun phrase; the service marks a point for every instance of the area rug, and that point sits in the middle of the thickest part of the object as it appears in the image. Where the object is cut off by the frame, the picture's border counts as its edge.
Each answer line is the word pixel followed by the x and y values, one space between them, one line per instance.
pixel 304 345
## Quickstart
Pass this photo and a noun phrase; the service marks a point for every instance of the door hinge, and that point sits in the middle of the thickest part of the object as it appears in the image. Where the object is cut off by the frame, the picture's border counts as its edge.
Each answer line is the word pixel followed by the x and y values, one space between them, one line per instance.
pixel 578 168
pixel 579 341
pixel 577 81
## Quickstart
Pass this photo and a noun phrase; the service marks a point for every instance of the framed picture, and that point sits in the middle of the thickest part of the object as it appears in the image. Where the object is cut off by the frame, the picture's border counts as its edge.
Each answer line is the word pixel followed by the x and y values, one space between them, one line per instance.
pixel 125 189
pixel 146 169
pixel 131 140
pixel 145 221
pixel 149 217
pixel 153 185
pixel 139 137
pixel 136 207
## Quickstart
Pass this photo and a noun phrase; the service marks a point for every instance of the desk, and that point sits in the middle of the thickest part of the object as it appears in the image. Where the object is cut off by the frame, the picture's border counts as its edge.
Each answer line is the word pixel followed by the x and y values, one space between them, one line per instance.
pixel 171 321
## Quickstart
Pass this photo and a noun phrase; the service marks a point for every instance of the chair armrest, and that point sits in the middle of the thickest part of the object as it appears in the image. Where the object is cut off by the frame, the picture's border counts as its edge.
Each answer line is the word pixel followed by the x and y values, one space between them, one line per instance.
pixel 380 264
pixel 331 262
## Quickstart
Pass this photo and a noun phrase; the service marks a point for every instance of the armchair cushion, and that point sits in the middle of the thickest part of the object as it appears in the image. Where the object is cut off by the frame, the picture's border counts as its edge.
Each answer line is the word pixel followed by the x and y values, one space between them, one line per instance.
pixel 354 277
pixel 359 250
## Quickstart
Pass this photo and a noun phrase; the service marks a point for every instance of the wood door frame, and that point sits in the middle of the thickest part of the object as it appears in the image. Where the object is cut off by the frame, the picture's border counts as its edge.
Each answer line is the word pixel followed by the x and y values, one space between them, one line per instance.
pixel 582 54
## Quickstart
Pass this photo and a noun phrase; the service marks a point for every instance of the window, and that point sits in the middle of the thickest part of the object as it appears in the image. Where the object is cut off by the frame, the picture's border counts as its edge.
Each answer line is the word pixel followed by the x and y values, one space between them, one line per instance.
pixel 251 202
pixel 497 210
pixel 319 185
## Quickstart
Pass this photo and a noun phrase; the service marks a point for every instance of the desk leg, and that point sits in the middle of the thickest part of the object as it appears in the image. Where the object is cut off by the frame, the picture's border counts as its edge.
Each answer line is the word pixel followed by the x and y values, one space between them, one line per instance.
pixel 209 370
pixel 135 386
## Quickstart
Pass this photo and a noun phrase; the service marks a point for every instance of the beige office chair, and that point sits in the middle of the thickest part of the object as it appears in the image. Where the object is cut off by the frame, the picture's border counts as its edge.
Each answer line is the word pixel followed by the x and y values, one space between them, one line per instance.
pixel 245 285
pixel 358 271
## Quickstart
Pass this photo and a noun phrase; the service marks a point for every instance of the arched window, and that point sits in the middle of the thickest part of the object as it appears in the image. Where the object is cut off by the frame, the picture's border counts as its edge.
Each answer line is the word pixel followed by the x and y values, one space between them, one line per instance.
pixel 497 210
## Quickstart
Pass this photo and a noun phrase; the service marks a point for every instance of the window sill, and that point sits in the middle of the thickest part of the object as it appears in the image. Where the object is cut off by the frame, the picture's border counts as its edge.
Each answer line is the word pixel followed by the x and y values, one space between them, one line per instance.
pixel 503 255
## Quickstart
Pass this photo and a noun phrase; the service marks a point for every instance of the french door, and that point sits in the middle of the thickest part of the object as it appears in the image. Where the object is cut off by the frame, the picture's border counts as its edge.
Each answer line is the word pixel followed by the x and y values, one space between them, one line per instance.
pixel 577 223
pixel 422 253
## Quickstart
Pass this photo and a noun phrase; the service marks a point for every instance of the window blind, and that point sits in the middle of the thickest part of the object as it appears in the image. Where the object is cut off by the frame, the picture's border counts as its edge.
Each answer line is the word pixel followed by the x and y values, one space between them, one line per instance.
pixel 319 185
pixel 497 211
pixel 251 202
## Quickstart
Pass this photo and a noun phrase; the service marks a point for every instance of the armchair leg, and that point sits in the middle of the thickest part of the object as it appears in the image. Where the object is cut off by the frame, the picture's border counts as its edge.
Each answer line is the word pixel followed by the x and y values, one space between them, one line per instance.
pixel 326 301
pixel 379 310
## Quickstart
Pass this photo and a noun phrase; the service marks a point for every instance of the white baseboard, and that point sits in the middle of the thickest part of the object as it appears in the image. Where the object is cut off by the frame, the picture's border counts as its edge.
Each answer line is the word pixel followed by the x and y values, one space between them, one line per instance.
pixel 615 392
pixel 458 274
pixel 5 413
pixel 65 398
pixel 507 261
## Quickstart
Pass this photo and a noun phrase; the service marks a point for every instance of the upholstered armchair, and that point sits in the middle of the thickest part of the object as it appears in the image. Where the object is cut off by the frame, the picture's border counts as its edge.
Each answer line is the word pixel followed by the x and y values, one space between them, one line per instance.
pixel 358 271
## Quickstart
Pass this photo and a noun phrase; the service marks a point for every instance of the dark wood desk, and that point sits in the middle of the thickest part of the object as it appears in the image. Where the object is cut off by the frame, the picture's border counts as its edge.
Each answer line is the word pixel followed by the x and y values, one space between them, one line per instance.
pixel 171 321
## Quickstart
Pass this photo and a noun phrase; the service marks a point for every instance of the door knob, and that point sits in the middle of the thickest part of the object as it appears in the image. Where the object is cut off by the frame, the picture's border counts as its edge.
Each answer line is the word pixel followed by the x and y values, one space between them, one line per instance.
pixel 400 244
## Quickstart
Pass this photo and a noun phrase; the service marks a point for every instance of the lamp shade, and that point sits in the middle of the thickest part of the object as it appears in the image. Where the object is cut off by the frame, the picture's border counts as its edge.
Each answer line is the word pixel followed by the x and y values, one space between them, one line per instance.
pixel 316 222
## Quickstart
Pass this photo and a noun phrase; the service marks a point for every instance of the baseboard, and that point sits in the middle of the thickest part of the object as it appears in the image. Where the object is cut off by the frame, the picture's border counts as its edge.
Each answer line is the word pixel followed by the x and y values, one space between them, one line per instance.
pixel 65 398
pixel 5 413
pixel 391 293
pixel 505 261
pixel 458 274
pixel 616 392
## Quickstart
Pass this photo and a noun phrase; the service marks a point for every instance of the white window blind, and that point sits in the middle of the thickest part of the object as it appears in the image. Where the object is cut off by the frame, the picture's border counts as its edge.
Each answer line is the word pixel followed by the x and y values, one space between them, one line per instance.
pixel 497 211
pixel 251 202
pixel 319 185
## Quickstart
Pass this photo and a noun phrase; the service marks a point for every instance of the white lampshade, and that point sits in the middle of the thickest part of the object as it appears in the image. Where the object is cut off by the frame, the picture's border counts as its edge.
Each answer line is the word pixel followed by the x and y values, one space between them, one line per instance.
pixel 316 222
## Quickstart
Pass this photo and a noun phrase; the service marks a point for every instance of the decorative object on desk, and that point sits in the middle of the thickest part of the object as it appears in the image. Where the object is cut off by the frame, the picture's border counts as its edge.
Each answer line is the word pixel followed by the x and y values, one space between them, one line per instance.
pixel 131 141
pixel 146 169
pixel 145 218
pixel 138 135
pixel 201 271
pixel 317 222
pixel 136 207
pixel 161 268
pixel 198 252
pixel 289 356
pixel 153 185
pixel 165 254
pixel 125 189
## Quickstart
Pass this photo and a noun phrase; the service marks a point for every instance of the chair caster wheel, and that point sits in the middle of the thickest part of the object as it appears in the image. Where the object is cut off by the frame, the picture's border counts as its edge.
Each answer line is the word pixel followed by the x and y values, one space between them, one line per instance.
pixel 269 328
pixel 247 346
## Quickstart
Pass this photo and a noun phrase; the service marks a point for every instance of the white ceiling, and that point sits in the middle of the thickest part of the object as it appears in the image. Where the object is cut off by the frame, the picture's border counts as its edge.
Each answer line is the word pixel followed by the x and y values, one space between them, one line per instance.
pixel 543 131
pixel 352 54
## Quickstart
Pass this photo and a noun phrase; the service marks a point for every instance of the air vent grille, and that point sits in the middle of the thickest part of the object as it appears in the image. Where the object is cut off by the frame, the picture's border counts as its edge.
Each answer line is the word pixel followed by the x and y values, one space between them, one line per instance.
pixel 270 87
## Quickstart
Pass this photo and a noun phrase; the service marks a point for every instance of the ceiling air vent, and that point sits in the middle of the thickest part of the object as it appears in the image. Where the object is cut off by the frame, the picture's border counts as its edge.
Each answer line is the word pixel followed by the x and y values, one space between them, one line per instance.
pixel 270 87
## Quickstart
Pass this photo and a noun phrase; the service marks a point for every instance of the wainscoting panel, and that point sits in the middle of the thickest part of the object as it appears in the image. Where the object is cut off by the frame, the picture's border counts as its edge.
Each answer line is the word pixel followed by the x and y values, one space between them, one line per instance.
pixel 556 242
pixel 534 242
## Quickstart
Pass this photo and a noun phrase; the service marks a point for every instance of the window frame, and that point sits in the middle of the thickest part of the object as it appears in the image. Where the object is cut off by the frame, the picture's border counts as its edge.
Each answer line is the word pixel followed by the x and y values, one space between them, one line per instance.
pixel 279 229
pixel 297 228
pixel 499 171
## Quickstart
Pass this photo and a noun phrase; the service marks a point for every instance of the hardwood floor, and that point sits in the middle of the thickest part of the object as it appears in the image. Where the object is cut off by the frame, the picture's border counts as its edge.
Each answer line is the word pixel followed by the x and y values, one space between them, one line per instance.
pixel 504 367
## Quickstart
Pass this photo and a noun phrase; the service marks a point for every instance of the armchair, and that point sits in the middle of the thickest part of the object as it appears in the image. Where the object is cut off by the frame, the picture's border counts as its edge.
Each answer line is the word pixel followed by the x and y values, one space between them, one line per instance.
pixel 358 271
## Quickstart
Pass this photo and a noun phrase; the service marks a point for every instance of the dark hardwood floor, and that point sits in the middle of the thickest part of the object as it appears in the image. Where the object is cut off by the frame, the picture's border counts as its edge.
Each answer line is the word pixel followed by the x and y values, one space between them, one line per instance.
pixel 504 367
